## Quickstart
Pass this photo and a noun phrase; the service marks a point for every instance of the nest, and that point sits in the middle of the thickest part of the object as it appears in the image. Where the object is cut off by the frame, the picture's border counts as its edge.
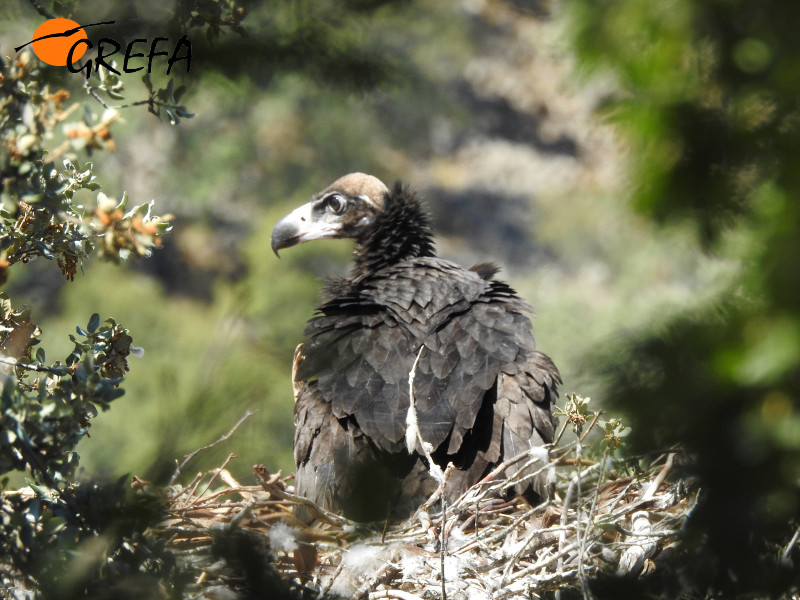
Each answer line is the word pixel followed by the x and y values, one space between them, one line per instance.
pixel 605 517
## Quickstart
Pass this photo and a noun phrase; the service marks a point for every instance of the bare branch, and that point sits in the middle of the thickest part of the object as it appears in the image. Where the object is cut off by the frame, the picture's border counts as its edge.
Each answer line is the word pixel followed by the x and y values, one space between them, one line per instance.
pixel 788 550
pixel 190 456
pixel 507 550
pixel 7 360
pixel 388 594
pixel 42 10
pixel 414 438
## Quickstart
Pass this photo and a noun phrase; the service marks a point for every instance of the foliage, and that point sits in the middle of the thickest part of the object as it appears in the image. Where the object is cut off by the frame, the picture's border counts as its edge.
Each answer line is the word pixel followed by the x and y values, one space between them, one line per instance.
pixel 41 214
pixel 577 414
pixel 46 408
pixel 708 103
pixel 59 215
pixel 88 540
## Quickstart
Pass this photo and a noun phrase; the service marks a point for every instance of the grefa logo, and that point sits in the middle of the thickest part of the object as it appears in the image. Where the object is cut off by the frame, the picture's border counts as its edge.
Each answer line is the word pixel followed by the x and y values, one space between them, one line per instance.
pixel 62 42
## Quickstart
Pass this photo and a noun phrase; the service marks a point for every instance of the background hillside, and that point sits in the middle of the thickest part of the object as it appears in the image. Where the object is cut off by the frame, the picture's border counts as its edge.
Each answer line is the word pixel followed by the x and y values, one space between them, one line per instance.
pixel 479 108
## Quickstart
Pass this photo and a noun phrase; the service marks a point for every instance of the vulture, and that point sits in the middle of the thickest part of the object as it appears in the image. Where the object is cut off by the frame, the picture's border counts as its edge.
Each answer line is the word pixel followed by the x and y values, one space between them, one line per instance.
pixel 479 391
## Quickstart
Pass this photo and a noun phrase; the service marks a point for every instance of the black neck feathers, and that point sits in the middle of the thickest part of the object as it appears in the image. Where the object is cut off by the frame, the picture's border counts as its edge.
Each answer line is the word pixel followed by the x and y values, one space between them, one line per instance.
pixel 401 231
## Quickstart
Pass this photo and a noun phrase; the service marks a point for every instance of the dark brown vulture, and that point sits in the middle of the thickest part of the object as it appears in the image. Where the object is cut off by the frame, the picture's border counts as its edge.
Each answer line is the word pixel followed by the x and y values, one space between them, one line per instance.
pixel 482 392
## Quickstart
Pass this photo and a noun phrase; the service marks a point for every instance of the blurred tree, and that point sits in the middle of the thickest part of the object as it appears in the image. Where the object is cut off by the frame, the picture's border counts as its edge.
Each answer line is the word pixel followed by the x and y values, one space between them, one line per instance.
pixel 47 406
pixel 708 103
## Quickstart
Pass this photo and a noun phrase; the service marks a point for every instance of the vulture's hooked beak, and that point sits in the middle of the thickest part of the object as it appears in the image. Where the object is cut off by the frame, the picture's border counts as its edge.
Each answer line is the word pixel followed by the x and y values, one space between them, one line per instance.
pixel 301 225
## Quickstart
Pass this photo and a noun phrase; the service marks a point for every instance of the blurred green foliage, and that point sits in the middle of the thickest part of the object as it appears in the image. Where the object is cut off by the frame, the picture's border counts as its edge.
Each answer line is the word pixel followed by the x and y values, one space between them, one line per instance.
pixel 47 407
pixel 708 103
pixel 49 210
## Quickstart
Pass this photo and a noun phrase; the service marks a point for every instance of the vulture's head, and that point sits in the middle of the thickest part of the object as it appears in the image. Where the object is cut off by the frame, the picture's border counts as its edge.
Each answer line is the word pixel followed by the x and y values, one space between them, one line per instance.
pixel 345 209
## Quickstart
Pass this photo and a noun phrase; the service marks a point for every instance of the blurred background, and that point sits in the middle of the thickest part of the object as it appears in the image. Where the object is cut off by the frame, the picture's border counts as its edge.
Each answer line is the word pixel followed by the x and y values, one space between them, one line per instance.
pixel 631 165
pixel 476 105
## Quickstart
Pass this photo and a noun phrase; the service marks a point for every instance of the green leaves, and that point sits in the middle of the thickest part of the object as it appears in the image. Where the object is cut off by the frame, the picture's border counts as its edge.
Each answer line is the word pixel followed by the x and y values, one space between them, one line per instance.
pixel 576 410
pixel 708 106
pixel 111 83
pixel 46 408
pixel 94 323
pixel 43 210
pixel 167 99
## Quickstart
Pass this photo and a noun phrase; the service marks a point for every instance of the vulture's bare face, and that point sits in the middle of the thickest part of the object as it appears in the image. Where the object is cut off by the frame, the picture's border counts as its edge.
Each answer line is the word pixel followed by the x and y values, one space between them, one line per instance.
pixel 345 209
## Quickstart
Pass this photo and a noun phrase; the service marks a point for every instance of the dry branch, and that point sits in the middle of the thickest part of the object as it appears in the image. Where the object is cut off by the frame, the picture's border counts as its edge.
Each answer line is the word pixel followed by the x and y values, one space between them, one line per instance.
pixel 599 521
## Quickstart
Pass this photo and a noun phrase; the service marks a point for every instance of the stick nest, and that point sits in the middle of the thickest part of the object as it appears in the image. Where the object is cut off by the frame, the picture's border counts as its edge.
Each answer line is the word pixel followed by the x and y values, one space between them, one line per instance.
pixel 606 517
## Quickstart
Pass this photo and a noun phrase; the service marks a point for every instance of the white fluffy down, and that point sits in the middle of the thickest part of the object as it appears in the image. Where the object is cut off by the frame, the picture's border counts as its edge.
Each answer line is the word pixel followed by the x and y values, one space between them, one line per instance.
pixel 363 558
pixel 283 538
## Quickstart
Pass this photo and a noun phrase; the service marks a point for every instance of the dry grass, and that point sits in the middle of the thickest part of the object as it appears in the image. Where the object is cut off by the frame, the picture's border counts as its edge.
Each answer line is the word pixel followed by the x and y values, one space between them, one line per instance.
pixel 601 519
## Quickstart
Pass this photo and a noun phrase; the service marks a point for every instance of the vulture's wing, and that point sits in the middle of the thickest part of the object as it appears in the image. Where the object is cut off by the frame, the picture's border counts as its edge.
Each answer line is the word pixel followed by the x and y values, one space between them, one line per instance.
pixel 481 391
pixel 341 466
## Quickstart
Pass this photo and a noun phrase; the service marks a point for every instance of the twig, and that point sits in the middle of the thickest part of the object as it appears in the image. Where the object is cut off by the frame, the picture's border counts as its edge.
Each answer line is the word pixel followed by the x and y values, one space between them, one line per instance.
pixel 515 559
pixel 7 360
pixel 581 538
pixel 546 562
pixel 443 531
pixel 414 440
pixel 508 463
pixel 517 480
pixel 662 533
pixel 323 592
pixel 632 560
pixel 589 520
pixel 659 479
pixel 592 423
pixel 561 432
pixel 610 508
pixel 217 471
pixel 41 9
pixel 443 547
pixel 788 550
pixel 573 490
pixel 191 455
pixel 275 492
pixel 193 487
pixel 399 594
pixel 149 101
pixel 562 540
pixel 246 510
pixel 371 582
pixel 499 534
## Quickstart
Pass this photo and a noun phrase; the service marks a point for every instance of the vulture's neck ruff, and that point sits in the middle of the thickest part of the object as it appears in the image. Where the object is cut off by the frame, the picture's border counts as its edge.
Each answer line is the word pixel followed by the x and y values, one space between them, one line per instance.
pixel 400 231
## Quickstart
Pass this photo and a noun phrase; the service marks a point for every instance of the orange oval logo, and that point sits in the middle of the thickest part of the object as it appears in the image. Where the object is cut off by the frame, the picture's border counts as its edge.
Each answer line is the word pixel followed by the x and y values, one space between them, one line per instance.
pixel 53 39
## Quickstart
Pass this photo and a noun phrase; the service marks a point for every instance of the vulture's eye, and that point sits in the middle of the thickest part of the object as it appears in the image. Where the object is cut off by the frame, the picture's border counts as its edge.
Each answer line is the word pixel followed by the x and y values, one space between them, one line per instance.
pixel 335 203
